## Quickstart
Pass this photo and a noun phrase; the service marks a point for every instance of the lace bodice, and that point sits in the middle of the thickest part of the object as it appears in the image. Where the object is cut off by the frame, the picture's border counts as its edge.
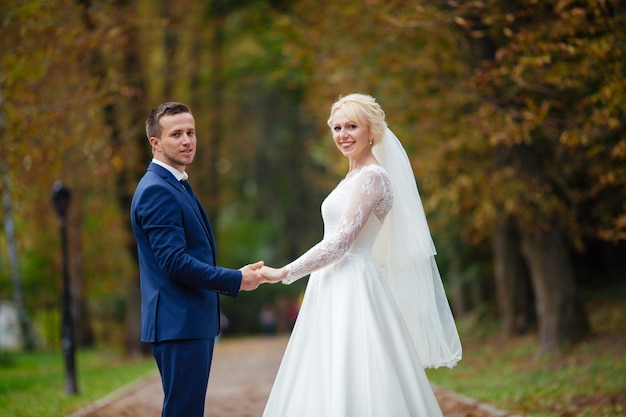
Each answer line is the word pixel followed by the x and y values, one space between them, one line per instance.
pixel 349 225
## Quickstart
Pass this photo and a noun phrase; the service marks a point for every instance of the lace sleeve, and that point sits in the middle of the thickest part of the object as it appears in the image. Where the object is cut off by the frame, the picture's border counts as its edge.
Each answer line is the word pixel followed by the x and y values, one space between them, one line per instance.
pixel 371 192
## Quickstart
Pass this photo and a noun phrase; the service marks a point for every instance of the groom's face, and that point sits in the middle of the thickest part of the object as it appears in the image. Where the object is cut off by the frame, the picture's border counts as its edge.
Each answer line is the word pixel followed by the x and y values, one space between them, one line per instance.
pixel 177 144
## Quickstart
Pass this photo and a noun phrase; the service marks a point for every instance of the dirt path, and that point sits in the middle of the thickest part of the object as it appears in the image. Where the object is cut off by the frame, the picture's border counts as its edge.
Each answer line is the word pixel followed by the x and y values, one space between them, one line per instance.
pixel 241 378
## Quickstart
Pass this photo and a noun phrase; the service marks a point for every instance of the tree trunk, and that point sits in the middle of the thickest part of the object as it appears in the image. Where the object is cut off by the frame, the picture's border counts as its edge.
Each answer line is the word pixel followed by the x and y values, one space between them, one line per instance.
pixel 9 230
pixel 169 17
pixel 514 293
pixel 132 151
pixel 27 339
pixel 216 101
pixel 460 299
pixel 82 319
pixel 560 312
pixel 134 167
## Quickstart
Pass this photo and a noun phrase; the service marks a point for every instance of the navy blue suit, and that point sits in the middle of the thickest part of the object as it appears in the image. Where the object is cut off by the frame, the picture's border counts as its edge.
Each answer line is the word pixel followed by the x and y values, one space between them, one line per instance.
pixel 180 283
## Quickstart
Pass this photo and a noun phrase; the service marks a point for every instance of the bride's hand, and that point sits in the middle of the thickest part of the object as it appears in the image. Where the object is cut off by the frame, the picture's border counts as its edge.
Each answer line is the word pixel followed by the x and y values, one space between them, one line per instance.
pixel 273 275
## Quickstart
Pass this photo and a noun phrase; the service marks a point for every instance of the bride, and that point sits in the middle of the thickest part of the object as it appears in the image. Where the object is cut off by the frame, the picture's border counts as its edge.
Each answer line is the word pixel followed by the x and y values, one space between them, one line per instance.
pixel 374 313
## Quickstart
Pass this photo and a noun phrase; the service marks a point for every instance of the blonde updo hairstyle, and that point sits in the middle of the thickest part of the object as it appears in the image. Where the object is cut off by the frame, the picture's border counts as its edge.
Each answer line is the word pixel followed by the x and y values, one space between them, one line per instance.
pixel 364 110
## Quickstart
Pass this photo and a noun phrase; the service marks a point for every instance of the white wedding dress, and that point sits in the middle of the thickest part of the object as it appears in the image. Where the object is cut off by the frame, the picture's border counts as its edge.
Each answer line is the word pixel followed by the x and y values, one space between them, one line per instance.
pixel 351 353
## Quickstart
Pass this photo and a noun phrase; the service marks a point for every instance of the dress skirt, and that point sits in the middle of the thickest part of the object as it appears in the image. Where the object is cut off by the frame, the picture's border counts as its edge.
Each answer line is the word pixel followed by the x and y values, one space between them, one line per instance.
pixel 350 353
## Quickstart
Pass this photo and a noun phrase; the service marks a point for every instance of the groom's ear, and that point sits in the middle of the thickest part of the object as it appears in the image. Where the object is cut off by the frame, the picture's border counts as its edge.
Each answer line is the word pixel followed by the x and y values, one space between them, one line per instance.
pixel 155 143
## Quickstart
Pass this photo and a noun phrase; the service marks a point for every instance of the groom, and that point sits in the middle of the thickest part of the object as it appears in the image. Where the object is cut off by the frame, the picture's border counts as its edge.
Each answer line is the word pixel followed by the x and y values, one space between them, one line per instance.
pixel 180 281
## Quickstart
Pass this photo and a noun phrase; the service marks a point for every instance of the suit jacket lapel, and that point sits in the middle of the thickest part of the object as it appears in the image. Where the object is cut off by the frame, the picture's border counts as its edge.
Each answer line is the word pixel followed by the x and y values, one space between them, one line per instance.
pixel 191 198
pixel 201 214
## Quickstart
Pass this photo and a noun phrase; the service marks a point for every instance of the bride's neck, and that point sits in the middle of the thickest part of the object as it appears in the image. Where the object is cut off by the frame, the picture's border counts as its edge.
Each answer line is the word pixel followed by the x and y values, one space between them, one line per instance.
pixel 356 166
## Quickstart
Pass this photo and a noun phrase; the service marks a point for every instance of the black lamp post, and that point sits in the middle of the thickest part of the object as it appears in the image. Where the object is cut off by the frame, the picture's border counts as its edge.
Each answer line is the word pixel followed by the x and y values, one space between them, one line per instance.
pixel 61 199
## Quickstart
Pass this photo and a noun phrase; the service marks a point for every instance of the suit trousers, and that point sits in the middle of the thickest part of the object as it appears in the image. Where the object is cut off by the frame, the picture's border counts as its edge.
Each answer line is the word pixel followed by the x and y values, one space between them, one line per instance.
pixel 184 366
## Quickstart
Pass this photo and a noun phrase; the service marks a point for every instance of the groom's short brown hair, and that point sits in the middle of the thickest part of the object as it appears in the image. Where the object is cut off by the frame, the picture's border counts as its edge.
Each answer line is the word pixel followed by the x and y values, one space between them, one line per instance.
pixel 153 125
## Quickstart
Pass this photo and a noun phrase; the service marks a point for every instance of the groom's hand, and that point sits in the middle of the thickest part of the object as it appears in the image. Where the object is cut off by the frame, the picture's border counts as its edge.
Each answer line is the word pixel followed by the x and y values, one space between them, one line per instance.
pixel 251 276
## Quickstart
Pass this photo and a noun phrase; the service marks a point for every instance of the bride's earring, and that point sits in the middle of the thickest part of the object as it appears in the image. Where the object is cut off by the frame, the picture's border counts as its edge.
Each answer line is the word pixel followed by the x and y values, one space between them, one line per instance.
pixel 371 142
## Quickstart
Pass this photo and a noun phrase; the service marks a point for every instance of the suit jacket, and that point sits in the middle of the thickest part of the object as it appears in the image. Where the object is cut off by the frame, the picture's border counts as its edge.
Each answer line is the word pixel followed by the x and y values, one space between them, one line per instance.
pixel 176 247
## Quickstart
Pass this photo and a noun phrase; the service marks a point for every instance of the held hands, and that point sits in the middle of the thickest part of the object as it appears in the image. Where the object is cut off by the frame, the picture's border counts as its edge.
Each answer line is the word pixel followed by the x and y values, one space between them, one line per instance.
pixel 253 275
pixel 273 275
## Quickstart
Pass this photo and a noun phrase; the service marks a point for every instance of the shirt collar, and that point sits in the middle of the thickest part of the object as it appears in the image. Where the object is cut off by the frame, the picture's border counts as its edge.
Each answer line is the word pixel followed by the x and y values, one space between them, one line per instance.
pixel 180 176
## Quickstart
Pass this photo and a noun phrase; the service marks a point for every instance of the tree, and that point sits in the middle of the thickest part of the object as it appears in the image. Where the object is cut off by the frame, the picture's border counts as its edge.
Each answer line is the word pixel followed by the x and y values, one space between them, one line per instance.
pixel 9 229
pixel 527 101
pixel 44 88
pixel 555 129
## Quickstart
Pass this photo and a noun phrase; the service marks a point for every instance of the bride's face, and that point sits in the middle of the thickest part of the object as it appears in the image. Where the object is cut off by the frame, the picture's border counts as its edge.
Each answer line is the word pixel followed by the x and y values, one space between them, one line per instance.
pixel 351 138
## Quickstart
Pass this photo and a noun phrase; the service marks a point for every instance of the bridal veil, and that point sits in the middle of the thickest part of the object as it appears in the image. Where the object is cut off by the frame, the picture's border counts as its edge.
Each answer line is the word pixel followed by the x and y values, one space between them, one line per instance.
pixel 406 253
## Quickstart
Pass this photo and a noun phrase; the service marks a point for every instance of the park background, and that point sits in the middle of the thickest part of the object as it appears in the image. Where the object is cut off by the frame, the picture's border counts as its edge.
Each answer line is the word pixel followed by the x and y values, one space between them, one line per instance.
pixel 512 112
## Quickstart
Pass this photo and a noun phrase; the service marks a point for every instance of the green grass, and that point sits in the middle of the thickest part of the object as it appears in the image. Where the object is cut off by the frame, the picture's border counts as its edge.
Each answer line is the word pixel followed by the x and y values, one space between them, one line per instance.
pixel 584 380
pixel 33 384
